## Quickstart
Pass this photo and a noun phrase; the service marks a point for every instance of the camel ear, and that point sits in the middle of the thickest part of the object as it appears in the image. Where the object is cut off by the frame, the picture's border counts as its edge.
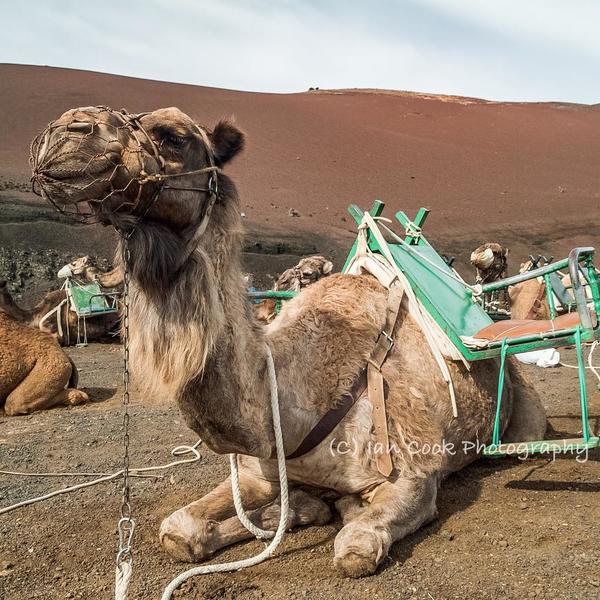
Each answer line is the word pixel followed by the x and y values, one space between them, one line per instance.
pixel 227 141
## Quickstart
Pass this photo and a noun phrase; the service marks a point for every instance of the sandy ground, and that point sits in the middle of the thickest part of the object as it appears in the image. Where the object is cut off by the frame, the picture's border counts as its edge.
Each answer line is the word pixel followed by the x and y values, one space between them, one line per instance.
pixel 524 175
pixel 507 528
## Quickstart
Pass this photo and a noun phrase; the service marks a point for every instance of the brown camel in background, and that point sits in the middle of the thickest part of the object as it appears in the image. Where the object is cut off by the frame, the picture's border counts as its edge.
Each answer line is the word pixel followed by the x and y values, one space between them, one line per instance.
pixel 194 337
pixel 98 327
pixel 85 269
pixel 307 271
pixel 34 370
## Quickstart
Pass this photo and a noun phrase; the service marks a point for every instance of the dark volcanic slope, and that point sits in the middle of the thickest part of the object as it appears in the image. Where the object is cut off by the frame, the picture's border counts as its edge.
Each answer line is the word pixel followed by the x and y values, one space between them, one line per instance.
pixel 526 174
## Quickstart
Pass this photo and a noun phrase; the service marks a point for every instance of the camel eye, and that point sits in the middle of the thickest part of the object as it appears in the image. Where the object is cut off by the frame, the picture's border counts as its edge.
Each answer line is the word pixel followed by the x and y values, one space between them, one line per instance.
pixel 174 140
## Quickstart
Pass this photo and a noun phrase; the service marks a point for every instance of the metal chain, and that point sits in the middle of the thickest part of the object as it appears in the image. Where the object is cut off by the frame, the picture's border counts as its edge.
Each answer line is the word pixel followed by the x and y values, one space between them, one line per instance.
pixel 126 523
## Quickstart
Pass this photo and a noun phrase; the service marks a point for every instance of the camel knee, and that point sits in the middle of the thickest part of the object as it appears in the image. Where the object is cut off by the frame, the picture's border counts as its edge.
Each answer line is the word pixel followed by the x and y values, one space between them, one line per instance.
pixel 187 538
pixel 350 507
pixel 13 407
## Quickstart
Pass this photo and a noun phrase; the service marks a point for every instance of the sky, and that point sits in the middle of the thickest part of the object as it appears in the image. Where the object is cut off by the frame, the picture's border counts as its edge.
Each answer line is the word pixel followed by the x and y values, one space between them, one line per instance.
pixel 522 50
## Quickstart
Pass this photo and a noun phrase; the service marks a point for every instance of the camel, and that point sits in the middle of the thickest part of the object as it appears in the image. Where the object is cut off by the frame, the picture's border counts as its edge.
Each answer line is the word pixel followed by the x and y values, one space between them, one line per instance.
pixel 490 261
pixel 307 271
pixel 34 370
pixel 194 338
pixel 98 327
pixel 527 300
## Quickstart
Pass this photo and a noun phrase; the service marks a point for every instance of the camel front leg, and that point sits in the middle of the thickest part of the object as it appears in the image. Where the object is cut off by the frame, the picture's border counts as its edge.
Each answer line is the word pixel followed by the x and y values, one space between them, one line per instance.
pixel 304 509
pixel 192 533
pixel 390 512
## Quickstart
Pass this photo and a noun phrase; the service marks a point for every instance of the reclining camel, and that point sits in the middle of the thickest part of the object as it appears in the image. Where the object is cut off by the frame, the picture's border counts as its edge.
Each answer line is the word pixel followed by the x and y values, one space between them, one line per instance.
pixel 98 328
pixel 307 271
pixel 85 269
pixel 194 337
pixel 34 370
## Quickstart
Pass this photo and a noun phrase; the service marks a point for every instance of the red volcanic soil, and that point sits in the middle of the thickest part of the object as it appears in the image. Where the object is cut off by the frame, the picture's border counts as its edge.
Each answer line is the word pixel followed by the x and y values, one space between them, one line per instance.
pixel 526 175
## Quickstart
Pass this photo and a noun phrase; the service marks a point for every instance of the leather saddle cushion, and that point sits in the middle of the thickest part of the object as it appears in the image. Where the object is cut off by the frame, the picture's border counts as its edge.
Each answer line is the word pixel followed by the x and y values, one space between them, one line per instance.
pixel 519 328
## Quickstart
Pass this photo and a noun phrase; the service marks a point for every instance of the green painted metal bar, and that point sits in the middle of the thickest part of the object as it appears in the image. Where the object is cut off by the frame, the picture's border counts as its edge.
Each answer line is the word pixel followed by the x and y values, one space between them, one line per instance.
pixel 501 377
pixel 575 257
pixel 415 225
pixel 585 431
pixel 278 295
pixel 357 214
pixel 540 337
pixel 594 283
pixel 540 272
pixel 377 208
pixel 550 296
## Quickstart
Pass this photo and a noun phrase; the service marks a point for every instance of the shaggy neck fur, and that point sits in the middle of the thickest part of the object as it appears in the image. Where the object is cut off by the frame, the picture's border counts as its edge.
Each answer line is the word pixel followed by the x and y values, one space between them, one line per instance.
pixel 193 336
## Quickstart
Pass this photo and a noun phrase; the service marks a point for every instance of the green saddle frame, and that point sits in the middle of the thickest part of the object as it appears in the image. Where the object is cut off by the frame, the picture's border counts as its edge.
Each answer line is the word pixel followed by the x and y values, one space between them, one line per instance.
pixel 456 310
pixel 89 300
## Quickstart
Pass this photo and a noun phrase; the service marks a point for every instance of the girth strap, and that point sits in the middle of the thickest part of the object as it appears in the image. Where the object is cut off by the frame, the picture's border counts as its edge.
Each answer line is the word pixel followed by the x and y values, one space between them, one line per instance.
pixel 372 378
pixel 330 420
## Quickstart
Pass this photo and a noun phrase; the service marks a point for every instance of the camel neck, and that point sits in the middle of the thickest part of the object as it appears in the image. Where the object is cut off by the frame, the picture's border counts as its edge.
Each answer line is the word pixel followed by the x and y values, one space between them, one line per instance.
pixel 196 335
pixel 228 403
pixel 10 307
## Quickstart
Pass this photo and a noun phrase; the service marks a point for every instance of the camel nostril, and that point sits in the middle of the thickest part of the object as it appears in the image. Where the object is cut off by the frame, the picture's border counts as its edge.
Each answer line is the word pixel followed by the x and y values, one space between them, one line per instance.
pixel 80 127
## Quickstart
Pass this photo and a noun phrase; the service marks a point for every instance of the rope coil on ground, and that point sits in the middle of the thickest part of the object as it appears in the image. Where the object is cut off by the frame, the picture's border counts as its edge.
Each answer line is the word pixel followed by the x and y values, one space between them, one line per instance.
pixel 133 472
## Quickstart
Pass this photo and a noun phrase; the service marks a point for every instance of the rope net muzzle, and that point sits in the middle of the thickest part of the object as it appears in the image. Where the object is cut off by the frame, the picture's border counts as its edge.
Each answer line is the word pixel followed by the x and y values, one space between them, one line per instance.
pixel 96 161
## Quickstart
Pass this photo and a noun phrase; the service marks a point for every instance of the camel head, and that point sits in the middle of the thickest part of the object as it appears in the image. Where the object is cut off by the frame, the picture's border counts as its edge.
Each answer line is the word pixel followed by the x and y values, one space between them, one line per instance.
pixel 96 163
pixel 307 271
pixel 81 264
pixel 491 261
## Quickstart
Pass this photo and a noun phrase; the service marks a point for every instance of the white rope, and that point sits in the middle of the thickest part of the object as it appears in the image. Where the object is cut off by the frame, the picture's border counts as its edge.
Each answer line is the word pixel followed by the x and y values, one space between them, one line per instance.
pixel 590 366
pixel 122 577
pixel 270 549
pixel 424 323
pixel 178 451
pixel 56 310
pixel 476 289
pixel 67 474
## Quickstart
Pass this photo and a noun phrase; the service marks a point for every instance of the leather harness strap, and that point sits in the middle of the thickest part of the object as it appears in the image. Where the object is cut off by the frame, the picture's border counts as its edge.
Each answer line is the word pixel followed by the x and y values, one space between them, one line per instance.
pixel 371 378
pixel 383 346
pixel 537 303
pixel 331 418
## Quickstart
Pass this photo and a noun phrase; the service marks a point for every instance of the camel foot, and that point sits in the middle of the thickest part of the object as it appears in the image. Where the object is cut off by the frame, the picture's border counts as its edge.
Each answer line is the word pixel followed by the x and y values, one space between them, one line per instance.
pixel 75 397
pixel 358 551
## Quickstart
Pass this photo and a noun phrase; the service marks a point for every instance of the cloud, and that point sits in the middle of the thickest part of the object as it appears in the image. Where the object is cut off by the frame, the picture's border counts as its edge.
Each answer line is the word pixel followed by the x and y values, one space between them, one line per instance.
pixel 571 25
pixel 535 50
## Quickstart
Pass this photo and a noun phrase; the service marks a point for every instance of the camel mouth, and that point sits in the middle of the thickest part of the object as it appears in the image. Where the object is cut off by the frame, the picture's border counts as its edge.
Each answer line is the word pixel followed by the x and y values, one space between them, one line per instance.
pixel 89 163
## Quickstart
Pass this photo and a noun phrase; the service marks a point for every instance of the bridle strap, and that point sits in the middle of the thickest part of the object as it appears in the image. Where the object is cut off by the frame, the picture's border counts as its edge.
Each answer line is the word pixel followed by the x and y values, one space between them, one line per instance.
pixel 211 189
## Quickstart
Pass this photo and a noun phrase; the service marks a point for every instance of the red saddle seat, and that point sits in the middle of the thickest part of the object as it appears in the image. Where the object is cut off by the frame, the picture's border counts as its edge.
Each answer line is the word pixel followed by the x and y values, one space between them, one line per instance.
pixel 520 328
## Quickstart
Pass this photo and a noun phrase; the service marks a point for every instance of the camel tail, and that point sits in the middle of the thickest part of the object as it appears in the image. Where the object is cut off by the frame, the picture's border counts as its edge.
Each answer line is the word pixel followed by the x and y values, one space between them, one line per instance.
pixel 74 379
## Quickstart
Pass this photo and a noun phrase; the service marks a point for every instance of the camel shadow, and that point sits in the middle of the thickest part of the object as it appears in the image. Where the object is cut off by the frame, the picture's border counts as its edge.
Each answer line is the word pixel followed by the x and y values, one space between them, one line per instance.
pixel 99 394
pixel 550 485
